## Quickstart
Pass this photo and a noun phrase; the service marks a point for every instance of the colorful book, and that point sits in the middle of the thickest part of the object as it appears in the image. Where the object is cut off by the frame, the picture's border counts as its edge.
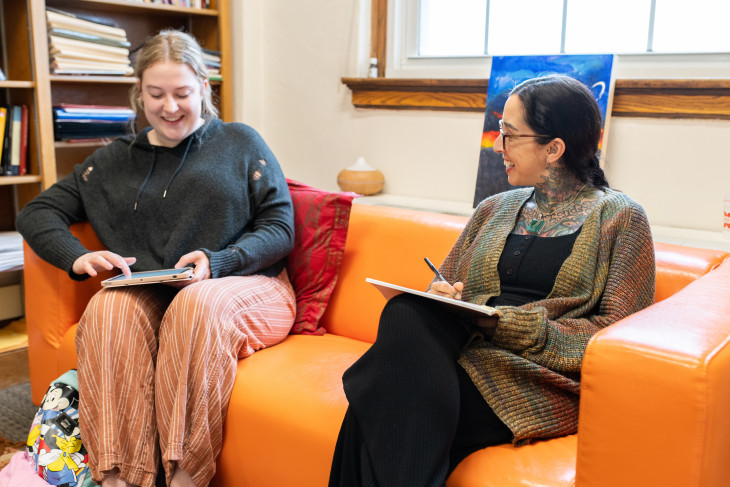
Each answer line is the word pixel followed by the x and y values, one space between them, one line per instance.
pixel 83 63
pixel 83 36
pixel 69 54
pixel 23 168
pixel 61 114
pixel 88 129
pixel 5 166
pixel 58 18
pixel 62 42
pixel 75 107
pixel 94 67
pixel 14 168
pixel 3 118
pixel 92 72
pixel 54 25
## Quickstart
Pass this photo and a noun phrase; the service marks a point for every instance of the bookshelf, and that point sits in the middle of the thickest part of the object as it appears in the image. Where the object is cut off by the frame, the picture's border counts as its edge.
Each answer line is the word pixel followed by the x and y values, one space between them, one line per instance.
pixel 19 88
pixel 24 59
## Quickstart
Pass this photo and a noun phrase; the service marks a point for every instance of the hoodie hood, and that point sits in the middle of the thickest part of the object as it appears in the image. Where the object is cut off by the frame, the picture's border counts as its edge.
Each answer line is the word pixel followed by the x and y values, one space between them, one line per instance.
pixel 141 142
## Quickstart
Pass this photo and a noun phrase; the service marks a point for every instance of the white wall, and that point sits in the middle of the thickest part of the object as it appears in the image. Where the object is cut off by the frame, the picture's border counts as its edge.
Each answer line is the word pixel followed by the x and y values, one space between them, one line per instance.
pixel 289 57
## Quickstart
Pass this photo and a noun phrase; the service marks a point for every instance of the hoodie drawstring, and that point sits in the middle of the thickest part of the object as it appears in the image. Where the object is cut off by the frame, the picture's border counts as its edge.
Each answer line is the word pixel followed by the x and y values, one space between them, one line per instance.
pixel 152 169
pixel 179 166
pixel 147 179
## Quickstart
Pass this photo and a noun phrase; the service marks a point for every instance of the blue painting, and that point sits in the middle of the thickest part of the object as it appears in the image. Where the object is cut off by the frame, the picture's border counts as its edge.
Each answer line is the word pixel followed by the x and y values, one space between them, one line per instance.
pixel 595 71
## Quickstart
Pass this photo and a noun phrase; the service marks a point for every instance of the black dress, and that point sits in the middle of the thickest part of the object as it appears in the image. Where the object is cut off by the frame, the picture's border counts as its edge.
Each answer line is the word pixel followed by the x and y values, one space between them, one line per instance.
pixel 414 413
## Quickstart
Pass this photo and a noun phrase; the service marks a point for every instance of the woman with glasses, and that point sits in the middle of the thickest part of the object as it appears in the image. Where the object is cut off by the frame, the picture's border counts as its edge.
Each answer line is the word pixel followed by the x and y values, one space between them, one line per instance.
pixel 559 258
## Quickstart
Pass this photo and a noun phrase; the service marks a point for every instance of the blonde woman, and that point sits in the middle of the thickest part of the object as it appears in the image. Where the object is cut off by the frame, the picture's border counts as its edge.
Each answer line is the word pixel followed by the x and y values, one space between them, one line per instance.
pixel 156 363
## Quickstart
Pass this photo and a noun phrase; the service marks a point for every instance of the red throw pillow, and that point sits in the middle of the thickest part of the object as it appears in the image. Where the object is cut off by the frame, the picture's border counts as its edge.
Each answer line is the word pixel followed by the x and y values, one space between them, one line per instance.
pixel 320 225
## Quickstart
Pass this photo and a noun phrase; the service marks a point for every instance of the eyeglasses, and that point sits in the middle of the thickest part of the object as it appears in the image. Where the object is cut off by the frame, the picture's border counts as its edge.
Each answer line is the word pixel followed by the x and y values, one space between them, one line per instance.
pixel 514 136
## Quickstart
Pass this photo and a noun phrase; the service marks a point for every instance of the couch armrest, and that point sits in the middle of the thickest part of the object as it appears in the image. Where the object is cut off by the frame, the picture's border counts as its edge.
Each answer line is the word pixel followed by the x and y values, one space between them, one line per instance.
pixel 53 303
pixel 655 393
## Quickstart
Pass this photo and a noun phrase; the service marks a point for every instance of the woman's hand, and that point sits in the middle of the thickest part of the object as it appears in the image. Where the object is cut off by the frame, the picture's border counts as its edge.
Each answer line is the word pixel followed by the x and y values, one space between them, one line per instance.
pixel 201 271
pixel 103 260
pixel 442 288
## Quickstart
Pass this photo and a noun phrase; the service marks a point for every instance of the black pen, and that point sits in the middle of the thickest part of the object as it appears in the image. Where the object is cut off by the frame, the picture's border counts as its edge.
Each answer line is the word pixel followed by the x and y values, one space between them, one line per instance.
pixel 435 271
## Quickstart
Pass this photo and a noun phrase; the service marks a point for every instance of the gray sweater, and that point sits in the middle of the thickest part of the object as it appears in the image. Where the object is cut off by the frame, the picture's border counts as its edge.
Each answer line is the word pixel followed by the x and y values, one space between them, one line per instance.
pixel 221 190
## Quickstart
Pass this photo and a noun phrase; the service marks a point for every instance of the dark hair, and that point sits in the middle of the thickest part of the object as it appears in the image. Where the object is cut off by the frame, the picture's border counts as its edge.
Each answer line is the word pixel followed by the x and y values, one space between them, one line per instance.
pixel 563 107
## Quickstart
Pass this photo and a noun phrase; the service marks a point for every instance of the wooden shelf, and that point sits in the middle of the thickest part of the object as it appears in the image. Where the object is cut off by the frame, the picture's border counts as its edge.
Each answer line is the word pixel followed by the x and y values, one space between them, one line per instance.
pixel 27 179
pixel 57 78
pixel 79 145
pixel 125 6
pixel 129 80
pixel 17 84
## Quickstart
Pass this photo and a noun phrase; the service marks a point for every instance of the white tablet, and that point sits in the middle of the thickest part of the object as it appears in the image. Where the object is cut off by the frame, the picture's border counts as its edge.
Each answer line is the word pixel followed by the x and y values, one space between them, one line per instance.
pixel 149 277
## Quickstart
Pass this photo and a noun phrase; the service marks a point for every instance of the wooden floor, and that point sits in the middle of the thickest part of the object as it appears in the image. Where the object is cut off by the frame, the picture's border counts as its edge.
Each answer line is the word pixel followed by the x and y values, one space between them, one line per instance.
pixel 14 367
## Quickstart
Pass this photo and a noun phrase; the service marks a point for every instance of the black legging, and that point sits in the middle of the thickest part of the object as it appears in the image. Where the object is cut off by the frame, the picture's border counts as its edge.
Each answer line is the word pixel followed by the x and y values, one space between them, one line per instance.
pixel 414 413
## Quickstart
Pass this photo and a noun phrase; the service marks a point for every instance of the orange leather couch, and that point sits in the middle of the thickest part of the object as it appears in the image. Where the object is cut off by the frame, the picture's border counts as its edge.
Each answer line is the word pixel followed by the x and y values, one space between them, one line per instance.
pixel 655 387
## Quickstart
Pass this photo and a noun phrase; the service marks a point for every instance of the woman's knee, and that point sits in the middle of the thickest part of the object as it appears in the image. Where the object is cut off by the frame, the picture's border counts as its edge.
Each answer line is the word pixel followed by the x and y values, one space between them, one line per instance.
pixel 412 317
pixel 111 307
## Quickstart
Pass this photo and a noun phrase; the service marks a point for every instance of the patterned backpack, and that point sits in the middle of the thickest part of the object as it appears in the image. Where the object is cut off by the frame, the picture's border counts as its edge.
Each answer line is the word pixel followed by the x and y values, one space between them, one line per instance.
pixel 54 443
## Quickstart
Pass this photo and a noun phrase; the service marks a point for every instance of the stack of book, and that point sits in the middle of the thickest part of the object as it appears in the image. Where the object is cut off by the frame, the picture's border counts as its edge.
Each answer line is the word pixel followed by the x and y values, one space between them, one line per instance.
pixel 85 122
pixel 181 3
pixel 14 140
pixel 11 251
pixel 213 63
pixel 81 46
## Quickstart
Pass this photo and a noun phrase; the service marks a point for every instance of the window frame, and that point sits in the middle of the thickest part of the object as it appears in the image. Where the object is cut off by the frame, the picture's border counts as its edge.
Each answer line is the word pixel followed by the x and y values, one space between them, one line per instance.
pixel 639 91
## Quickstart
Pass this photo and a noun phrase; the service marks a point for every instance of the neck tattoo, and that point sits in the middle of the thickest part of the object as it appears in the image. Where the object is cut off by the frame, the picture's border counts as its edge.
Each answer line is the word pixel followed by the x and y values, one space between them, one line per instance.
pixel 537 223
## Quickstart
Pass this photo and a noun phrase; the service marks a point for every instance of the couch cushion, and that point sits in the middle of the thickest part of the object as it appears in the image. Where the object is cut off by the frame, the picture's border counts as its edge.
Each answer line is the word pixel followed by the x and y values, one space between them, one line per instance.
pixel 287 407
pixel 678 266
pixel 380 244
pixel 549 463
pixel 285 412
pixel 321 219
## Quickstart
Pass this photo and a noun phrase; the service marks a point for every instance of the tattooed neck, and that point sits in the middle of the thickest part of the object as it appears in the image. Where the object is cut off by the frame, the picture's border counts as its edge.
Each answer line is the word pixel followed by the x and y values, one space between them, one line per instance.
pixel 556 189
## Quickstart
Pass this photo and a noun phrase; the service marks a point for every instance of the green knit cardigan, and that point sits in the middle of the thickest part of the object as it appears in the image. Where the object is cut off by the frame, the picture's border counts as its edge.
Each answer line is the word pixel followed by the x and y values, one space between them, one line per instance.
pixel 529 370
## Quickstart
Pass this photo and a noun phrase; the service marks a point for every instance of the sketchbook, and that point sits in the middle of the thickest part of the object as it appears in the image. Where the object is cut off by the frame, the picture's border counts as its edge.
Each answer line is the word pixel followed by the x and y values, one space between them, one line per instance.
pixel 389 291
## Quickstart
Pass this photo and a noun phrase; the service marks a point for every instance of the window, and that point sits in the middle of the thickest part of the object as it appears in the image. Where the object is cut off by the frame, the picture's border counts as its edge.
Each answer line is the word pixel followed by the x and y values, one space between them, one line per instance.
pixel 455 38
pixel 493 27
pixel 657 85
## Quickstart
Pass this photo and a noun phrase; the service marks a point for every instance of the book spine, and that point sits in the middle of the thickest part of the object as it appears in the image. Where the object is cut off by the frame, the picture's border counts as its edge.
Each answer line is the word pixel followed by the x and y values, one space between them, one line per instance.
pixel 6 144
pixel 3 119
pixel 77 107
pixel 70 20
pixel 70 54
pixel 109 116
pixel 23 169
pixel 61 42
pixel 15 141
pixel 81 36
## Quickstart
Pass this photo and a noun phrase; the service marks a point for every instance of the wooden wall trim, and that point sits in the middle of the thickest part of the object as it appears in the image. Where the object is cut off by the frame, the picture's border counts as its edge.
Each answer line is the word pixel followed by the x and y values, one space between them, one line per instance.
pixel 654 98
pixel 379 33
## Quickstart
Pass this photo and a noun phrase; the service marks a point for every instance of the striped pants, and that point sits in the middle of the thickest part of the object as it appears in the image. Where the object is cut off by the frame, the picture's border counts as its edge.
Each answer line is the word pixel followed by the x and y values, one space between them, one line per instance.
pixel 156 369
